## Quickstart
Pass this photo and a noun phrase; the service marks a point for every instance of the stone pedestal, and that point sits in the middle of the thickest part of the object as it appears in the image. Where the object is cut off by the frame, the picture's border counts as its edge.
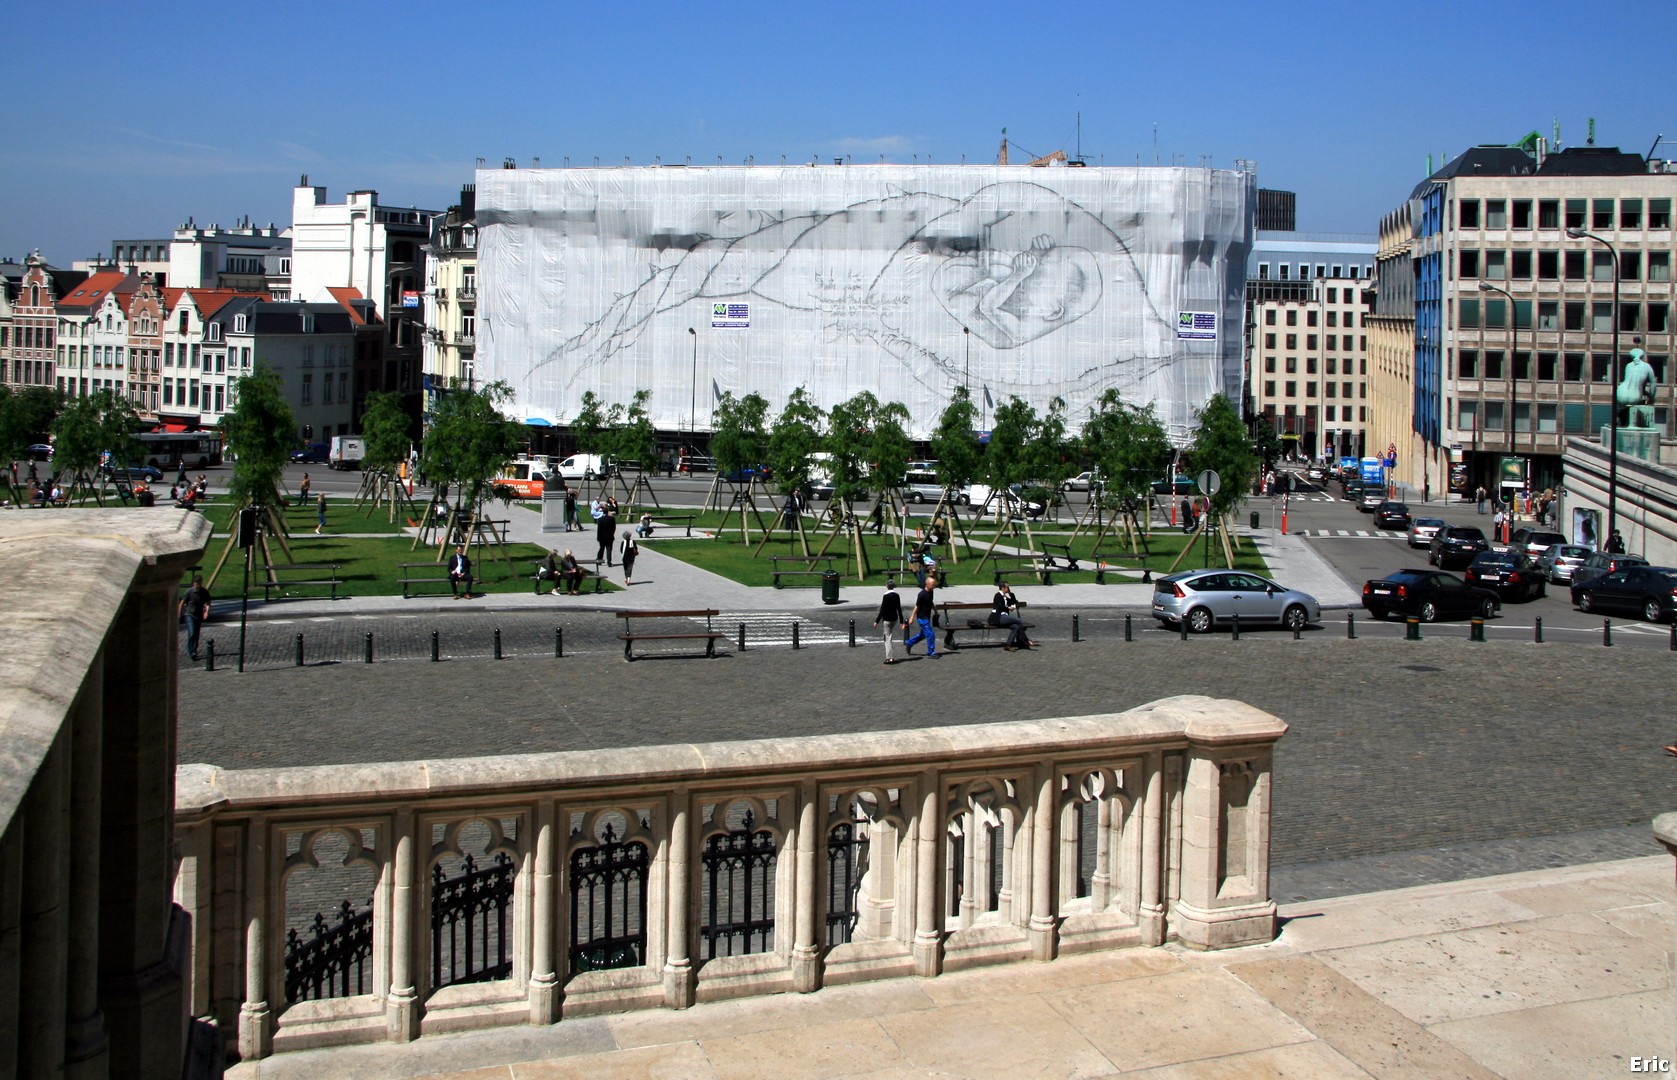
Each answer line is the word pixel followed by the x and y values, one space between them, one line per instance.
pixel 1641 443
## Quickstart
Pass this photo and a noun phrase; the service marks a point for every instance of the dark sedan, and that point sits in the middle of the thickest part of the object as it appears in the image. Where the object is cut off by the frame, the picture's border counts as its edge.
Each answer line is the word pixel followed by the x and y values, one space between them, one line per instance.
pixel 131 473
pixel 1600 562
pixel 1648 591
pixel 1459 544
pixel 1509 574
pixel 1428 595
pixel 1391 515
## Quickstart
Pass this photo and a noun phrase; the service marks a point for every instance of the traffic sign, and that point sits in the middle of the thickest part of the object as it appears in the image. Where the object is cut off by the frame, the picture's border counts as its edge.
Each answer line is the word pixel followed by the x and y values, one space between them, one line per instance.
pixel 1209 482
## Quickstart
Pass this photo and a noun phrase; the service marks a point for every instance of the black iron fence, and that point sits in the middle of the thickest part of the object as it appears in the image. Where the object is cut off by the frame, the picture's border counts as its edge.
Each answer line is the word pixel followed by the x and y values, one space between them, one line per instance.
pixel 332 960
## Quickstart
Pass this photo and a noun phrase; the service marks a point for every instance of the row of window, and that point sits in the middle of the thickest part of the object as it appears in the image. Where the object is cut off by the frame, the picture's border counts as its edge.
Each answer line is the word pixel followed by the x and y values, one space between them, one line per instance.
pixel 1284 271
pixel 1593 214
pixel 1497 364
pixel 1594 316
pixel 1310 365
pixel 325 388
pixel 1331 389
pixel 1340 413
pixel 1573 417
pixel 1333 317
pixel 1343 341
pixel 1555 265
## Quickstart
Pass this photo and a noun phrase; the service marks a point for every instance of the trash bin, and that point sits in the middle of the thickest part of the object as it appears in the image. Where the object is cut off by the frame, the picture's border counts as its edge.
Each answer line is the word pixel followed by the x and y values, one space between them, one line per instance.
pixel 829 587
pixel 1254 519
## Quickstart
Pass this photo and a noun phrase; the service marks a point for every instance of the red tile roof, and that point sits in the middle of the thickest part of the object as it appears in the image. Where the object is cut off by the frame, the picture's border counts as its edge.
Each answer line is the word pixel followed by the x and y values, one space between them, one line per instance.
pixel 343 294
pixel 90 293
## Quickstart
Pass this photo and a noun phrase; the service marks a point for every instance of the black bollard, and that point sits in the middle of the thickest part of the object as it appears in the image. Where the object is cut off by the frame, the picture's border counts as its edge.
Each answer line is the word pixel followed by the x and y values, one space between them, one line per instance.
pixel 1412 629
pixel 1674 635
pixel 209 656
pixel 1129 631
pixel 558 643
pixel 852 633
pixel 1298 632
pixel 368 656
pixel 1350 626
pixel 794 634
pixel 1234 634
pixel 1476 629
pixel 1537 630
pixel 1607 632
pixel 299 650
pixel 1184 628
pixel 742 637
pixel 1076 628
pixel 436 647
pixel 497 643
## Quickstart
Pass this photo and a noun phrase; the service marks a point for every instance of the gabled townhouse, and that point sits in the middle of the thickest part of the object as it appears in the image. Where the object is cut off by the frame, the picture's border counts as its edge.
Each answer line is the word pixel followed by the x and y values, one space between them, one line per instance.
pixel 316 350
pixel 84 365
pixel 193 374
pixel 31 357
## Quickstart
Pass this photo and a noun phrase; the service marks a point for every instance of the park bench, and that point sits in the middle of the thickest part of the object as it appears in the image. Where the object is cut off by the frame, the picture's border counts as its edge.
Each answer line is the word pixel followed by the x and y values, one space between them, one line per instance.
pixel 412 576
pixel 314 575
pixel 631 635
pixel 585 564
pixel 970 624
pixel 1055 554
pixel 1034 565
pixel 806 561
pixel 668 519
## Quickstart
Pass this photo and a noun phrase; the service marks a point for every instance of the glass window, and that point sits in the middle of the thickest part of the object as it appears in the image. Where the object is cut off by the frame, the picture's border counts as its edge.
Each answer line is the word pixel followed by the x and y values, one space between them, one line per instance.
pixel 1467 263
pixel 1292 388
pixel 1546 366
pixel 1601 268
pixel 1344 389
pixel 1548 315
pixel 1496 214
pixel 1493 415
pixel 1575 210
pixel 1659 315
pixel 1469 314
pixel 1548 214
pixel 1467 363
pixel 1659 266
pixel 1601 214
pixel 1310 365
pixel 1310 342
pixel 1269 341
pixel 1292 317
pixel 1292 364
pixel 1467 415
pixel 308 388
pixel 1548 265
pixel 1600 365
pixel 1522 214
pixel 1495 314
pixel 1309 389
pixel 1269 365
pixel 1496 265
pixel 1269 388
pixel 1630 316
pixel 1575 266
pixel 1333 366
pixel 1630 266
pixel 1546 419
pixel 1630 213
pixel 1659 213
pixel 1520 267
pixel 1574 366
pixel 1601 317
pixel 1467 213
pixel 1350 319
pixel 1310 317
pixel 1493 363
pixel 1269 316
pixel 1575 314
pixel 1292 341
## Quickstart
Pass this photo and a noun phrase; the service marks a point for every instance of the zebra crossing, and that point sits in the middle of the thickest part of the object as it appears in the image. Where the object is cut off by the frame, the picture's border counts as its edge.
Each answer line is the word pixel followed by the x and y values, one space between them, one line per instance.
pixel 1349 534
pixel 766 629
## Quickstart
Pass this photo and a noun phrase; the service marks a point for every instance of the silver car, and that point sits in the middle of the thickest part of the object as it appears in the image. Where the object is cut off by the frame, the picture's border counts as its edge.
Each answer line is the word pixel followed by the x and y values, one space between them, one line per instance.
pixel 1207 598
pixel 1558 561
pixel 1422 530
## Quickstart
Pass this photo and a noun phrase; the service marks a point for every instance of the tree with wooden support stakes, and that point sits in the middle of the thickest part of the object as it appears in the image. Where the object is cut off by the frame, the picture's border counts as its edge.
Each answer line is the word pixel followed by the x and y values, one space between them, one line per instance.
pixel 260 431
pixel 26 415
pixel 86 428
pixel 630 439
pixel 470 443
pixel 794 439
pixel 1008 459
pixel 1130 448
pixel 590 429
pixel 1221 445
pixel 959 461
pixel 385 434
pixel 867 443
pixel 740 443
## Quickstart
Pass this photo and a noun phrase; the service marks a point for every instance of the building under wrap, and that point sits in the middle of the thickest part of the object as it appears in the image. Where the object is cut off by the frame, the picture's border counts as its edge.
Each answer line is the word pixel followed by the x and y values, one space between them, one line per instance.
pixel 904 280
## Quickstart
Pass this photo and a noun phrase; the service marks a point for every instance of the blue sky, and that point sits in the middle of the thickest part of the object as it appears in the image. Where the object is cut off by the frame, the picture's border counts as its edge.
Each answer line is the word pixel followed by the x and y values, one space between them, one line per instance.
pixel 124 120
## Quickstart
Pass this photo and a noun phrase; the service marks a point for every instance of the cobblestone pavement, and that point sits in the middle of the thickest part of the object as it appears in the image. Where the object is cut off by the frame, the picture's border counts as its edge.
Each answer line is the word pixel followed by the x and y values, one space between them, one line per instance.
pixel 1406 762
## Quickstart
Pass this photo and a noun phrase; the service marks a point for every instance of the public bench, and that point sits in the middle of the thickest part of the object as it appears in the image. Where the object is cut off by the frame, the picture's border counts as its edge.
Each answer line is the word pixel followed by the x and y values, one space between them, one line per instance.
pixel 631 634
pixel 1034 565
pixel 1055 554
pixel 806 561
pixel 315 575
pixel 412 577
pixel 963 623
pixel 668 519
pixel 584 564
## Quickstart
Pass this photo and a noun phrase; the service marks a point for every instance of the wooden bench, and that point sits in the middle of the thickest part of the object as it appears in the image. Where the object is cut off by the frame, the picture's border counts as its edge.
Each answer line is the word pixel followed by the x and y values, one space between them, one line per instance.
pixel 1034 565
pixel 688 519
pixel 325 574
pixel 599 578
pixel 806 561
pixel 1053 554
pixel 411 579
pixel 952 626
pixel 630 635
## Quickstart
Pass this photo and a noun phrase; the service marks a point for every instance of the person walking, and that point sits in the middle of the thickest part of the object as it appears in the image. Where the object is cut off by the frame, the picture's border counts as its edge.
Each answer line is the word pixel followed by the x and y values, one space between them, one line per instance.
pixel 303 491
pixel 459 571
pixel 320 513
pixel 1479 498
pixel 195 609
pixel 631 549
pixel 924 605
pixel 888 620
pixel 1616 543
pixel 606 533
pixel 1004 612
pixel 571 523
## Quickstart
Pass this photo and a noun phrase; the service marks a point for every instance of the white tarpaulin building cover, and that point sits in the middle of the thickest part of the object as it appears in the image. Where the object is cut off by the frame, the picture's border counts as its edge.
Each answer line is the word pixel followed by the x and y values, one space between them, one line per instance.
pixel 904 280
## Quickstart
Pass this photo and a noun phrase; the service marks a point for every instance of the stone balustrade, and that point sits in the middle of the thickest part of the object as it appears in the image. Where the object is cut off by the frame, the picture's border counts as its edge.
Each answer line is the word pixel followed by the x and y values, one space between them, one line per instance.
pixel 360 903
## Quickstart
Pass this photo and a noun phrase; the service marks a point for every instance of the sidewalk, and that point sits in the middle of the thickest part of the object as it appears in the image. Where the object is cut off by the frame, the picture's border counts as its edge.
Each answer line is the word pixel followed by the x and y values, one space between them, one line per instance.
pixel 1553 973
pixel 663 582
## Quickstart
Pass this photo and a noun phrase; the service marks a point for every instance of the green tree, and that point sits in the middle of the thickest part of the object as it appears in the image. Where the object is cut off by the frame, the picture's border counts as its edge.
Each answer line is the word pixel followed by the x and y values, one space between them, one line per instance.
pixel 261 432
pixel 26 416
pixel 630 436
pixel 471 441
pixel 1008 458
pixel 590 425
pixel 384 429
pixel 1222 445
pixel 849 445
pixel 959 456
pixel 1049 457
pixel 1265 441
pixel 87 428
pixel 890 447
pixel 740 440
pixel 1128 445
pixel 794 438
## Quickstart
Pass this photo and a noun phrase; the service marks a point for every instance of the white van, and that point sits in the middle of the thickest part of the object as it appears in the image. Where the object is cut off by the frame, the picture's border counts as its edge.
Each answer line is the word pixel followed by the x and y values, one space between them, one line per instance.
pixel 583 467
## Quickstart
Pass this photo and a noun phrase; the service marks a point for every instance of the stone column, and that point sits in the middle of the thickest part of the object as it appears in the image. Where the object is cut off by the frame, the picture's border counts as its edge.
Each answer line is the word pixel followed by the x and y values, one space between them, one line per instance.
pixel 44 959
pixel 256 1021
pixel 1100 885
pixel 1150 911
pixel 806 949
pixel 928 914
pixel 401 1007
pixel 680 980
pixel 544 979
pixel 1045 919
pixel 85 1048
pixel 1213 913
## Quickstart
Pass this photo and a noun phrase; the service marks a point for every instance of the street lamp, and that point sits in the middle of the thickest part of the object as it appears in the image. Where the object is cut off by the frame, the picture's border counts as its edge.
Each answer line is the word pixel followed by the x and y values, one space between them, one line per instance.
pixel 1513 347
pixel 693 392
pixel 966 338
pixel 1613 450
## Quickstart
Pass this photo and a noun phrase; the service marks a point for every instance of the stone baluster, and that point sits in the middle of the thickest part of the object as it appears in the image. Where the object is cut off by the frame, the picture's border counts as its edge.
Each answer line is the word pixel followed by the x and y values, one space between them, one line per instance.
pixel 679 976
pixel 1150 913
pixel 256 1020
pixel 544 978
pixel 928 912
pixel 1044 924
pixel 806 949
pixel 402 1008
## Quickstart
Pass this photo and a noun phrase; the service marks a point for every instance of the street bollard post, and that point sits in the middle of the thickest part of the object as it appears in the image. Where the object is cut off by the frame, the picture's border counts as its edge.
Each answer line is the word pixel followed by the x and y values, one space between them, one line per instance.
pixel 852 633
pixel 209 656
pixel 742 637
pixel 558 642
pixel 497 643
pixel 1607 632
pixel 1674 635
pixel 1234 635
pixel 1129 632
pixel 1412 629
pixel 1537 630
pixel 1184 627
pixel 299 650
pixel 1298 633
pixel 794 635
pixel 436 647
pixel 1076 629
pixel 1476 628
pixel 1350 626
pixel 368 655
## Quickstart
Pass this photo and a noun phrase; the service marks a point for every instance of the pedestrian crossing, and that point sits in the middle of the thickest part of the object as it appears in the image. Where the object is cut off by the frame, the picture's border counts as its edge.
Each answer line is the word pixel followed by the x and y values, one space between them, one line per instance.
pixel 765 629
pixel 1348 534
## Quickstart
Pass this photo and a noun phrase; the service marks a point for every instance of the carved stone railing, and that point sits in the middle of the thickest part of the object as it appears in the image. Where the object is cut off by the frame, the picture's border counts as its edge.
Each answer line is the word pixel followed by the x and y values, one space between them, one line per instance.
pixel 661 876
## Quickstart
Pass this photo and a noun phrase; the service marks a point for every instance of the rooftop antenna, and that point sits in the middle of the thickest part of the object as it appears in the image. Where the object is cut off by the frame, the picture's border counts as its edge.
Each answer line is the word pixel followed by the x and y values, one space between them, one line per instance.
pixel 1650 154
pixel 1557 133
pixel 1589 139
pixel 1155 143
pixel 1080 127
pixel 535 163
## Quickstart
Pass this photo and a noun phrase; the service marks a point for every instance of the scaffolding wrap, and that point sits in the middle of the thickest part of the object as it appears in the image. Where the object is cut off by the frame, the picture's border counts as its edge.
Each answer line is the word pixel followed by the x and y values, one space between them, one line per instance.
pixel 907 281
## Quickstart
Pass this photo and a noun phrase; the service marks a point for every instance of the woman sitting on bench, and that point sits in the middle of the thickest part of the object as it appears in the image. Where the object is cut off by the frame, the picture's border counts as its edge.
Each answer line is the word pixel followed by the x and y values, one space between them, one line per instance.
pixel 1004 611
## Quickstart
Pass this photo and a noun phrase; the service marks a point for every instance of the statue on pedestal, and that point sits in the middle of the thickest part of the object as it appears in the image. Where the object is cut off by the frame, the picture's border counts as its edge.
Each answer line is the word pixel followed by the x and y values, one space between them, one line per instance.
pixel 1635 392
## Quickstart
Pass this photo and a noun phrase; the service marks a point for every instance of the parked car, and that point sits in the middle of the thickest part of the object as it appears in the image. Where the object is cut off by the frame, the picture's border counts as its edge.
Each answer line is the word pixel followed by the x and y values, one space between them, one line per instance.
pixel 1353 488
pixel 1422 530
pixel 746 474
pixel 925 487
pixel 1316 474
pixel 1456 544
pixel 1428 595
pixel 1648 591
pixel 1207 598
pixel 1083 481
pixel 1510 574
pixel 39 452
pixel 1533 541
pixel 1598 563
pixel 1391 515
pixel 149 473
pixel 1373 495
pixel 1176 485
pixel 1560 560
pixel 312 454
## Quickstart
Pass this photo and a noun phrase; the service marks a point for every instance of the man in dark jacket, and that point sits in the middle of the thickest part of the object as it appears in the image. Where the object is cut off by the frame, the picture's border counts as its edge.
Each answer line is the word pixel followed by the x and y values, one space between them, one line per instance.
pixel 460 570
pixel 195 608
pixel 889 618
pixel 606 533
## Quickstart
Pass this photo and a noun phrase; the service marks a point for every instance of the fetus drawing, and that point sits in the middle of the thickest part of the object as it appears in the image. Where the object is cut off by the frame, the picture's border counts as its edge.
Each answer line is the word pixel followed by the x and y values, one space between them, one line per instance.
pixel 1011 298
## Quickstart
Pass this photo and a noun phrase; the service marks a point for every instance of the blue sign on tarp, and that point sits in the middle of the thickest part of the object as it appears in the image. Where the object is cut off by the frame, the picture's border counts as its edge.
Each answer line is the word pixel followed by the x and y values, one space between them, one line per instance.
pixel 1371 470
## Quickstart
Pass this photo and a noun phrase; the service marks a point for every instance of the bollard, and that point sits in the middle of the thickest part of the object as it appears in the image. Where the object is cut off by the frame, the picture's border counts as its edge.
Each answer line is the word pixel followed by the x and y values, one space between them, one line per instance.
pixel 1129 633
pixel 1184 628
pixel 794 635
pixel 1476 628
pixel 1607 632
pixel 558 643
pixel 852 633
pixel 497 643
pixel 299 650
pixel 368 655
pixel 1235 633
pixel 1298 633
pixel 1350 626
pixel 1537 630
pixel 209 656
pixel 742 637
pixel 436 647
pixel 1076 629
pixel 1674 635
pixel 1412 629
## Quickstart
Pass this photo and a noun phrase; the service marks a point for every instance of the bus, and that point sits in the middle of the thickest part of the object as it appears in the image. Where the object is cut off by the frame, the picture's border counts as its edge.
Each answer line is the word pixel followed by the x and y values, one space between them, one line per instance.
pixel 187 450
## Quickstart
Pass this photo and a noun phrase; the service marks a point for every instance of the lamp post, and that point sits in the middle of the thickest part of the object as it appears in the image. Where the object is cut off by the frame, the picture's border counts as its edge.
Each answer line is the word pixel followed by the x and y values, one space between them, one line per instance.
pixel 693 391
pixel 966 339
pixel 1513 347
pixel 1613 450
